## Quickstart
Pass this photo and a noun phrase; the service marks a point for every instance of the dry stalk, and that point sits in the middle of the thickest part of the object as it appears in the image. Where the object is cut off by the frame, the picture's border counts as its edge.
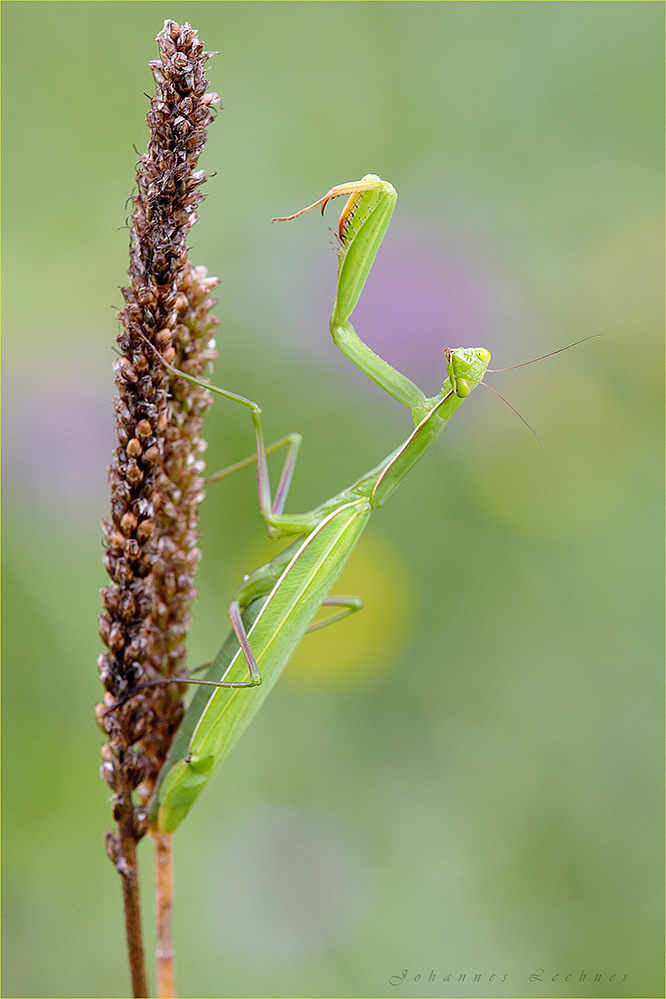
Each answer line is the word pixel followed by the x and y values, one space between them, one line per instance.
pixel 151 535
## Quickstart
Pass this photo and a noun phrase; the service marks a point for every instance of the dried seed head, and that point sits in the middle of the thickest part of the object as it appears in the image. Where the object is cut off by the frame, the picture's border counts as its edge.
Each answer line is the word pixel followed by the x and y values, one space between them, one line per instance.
pixel 155 486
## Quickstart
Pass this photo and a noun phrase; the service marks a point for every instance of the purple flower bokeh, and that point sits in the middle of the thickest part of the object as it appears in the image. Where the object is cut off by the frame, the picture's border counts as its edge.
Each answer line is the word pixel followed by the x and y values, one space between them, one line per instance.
pixel 58 439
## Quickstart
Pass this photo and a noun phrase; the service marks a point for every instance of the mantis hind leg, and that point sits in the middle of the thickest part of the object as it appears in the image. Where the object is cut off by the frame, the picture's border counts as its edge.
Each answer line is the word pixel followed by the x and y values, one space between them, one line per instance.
pixel 350 605
pixel 293 442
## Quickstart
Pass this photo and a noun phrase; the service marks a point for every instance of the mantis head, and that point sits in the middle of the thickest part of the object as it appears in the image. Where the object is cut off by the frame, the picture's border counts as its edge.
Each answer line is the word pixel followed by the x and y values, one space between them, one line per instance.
pixel 466 368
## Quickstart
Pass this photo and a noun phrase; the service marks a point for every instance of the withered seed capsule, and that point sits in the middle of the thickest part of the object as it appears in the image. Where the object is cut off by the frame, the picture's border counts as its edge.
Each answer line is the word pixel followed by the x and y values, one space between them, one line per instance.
pixel 143 429
pixel 144 530
pixel 128 523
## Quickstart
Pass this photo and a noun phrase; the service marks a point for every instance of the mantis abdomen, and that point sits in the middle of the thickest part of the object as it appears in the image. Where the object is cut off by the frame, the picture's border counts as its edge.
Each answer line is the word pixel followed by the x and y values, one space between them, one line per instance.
pixel 221 714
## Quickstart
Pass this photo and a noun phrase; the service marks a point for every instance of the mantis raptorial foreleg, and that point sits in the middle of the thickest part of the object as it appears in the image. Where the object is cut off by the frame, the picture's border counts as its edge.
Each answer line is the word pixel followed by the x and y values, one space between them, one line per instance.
pixel 362 226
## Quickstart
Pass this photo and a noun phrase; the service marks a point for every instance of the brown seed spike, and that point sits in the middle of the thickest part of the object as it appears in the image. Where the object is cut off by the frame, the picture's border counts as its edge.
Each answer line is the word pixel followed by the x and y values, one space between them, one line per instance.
pixel 155 475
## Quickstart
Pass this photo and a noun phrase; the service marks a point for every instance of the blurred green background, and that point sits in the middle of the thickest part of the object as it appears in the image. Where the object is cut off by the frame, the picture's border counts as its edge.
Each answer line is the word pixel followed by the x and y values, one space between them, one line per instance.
pixel 466 779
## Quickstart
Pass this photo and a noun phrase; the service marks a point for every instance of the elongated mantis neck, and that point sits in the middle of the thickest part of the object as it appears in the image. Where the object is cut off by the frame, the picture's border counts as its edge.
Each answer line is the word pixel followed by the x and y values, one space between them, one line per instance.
pixel 466 369
pixel 378 370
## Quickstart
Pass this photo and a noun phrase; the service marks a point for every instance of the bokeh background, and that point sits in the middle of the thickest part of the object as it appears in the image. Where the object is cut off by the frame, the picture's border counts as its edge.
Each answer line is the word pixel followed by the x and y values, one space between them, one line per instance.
pixel 465 780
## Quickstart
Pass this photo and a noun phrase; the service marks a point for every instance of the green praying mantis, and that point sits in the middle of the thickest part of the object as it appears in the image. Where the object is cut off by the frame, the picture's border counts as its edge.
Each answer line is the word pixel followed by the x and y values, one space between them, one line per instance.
pixel 277 604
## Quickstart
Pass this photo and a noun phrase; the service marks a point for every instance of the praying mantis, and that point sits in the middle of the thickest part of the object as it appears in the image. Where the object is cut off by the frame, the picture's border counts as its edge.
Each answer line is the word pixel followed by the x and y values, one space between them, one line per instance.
pixel 277 604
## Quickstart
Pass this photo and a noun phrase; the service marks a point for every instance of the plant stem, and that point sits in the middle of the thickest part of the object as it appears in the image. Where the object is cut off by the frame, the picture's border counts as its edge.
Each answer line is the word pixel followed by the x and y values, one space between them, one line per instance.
pixel 165 955
pixel 132 905
pixel 121 848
